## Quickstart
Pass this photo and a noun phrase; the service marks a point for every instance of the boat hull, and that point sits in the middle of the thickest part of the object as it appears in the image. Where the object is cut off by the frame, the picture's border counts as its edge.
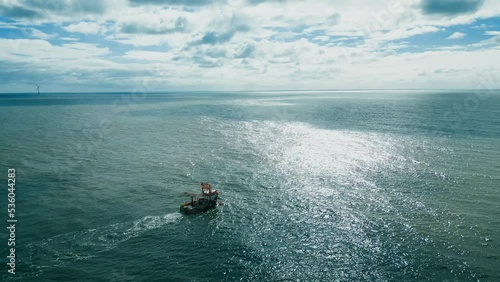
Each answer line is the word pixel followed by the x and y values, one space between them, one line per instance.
pixel 197 208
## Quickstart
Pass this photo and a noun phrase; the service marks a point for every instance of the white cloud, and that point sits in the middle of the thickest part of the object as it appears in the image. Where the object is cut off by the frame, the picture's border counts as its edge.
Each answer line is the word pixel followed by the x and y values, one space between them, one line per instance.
pixel 41 35
pixel 456 35
pixel 149 56
pixel 41 51
pixel 405 33
pixel 322 38
pixel 491 32
pixel 84 27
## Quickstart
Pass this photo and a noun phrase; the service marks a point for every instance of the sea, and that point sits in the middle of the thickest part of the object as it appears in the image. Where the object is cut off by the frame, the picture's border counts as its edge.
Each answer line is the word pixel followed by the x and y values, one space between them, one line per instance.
pixel 365 185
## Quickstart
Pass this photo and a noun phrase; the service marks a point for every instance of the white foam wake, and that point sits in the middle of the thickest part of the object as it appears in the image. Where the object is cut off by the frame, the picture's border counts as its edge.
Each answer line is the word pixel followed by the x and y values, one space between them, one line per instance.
pixel 81 245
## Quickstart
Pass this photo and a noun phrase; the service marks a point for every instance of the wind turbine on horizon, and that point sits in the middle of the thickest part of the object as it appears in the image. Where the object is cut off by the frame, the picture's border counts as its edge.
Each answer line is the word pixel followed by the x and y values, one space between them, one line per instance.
pixel 38 88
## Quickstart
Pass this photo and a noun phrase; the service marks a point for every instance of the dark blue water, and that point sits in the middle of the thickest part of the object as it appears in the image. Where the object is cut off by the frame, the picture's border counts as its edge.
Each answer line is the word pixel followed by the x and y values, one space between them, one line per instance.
pixel 317 186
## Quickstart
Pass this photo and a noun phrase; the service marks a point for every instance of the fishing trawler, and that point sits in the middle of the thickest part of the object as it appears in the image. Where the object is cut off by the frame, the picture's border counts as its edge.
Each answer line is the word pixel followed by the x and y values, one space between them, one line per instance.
pixel 208 199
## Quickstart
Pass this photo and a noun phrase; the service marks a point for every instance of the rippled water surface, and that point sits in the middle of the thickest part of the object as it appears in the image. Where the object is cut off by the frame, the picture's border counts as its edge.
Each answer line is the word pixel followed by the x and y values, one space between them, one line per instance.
pixel 317 186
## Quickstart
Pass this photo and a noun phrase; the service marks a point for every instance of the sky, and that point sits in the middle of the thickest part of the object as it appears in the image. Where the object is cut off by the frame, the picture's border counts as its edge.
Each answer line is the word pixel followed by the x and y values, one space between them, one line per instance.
pixel 172 45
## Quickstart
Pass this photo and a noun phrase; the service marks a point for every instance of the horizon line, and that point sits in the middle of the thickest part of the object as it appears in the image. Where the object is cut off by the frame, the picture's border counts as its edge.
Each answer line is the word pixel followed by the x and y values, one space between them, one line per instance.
pixel 256 91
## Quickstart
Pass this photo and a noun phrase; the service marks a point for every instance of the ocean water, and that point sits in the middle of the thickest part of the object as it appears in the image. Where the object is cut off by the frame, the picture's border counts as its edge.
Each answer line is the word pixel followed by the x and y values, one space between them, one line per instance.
pixel 317 186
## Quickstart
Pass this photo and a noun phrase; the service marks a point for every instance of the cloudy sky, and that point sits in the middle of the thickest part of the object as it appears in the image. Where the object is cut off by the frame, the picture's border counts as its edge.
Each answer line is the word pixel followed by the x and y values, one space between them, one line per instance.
pixel 154 45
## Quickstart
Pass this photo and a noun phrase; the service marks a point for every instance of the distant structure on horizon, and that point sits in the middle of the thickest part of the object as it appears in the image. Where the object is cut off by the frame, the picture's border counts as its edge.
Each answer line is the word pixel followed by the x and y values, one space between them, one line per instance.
pixel 37 88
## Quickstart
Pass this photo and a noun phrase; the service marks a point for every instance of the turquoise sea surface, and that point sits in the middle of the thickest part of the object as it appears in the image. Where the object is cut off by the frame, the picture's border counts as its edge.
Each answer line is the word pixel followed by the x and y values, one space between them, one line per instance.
pixel 316 185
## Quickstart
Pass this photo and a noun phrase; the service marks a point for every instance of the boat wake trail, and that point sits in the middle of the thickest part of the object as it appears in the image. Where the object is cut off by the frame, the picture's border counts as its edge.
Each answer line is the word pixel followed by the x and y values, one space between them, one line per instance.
pixel 61 249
